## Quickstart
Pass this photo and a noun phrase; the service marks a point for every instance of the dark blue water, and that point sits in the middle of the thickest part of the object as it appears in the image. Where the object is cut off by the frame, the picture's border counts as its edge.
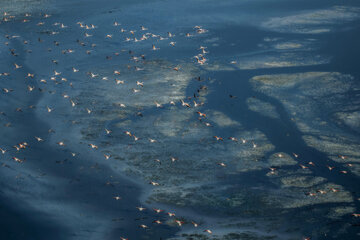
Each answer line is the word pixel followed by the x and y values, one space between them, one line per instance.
pixel 53 194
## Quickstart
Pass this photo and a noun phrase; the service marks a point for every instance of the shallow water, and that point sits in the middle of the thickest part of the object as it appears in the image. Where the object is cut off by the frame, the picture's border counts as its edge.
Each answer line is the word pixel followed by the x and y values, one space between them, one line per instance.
pixel 282 79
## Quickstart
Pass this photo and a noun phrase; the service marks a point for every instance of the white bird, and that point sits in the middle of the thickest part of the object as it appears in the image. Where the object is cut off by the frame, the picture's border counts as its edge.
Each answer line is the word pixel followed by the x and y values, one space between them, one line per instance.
pixel 141 208
pixel 222 164
pixel 93 75
pixel 39 139
pixel 195 224
pixel 3 151
pixel 93 146
pixel 30 88
pixel 73 104
pixel 171 214
pixel 18 160
pixel 158 105
pixel 180 223
pixel 233 139
pixel 154 183
pixel 17 66
pixel 119 81
pixel 185 104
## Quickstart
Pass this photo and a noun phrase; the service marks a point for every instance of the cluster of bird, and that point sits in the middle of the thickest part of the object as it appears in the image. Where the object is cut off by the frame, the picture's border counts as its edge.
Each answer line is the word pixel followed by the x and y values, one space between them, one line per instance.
pixel 200 58
pixel 132 37
pixel 170 214
pixel 302 166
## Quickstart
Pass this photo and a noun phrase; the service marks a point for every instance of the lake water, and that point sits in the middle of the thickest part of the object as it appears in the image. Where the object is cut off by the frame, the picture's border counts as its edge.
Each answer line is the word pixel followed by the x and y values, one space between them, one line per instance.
pixel 240 116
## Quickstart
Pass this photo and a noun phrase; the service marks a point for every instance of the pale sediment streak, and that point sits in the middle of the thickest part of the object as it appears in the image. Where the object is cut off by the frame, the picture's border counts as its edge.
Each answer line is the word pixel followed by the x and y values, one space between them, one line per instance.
pixel 313 21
